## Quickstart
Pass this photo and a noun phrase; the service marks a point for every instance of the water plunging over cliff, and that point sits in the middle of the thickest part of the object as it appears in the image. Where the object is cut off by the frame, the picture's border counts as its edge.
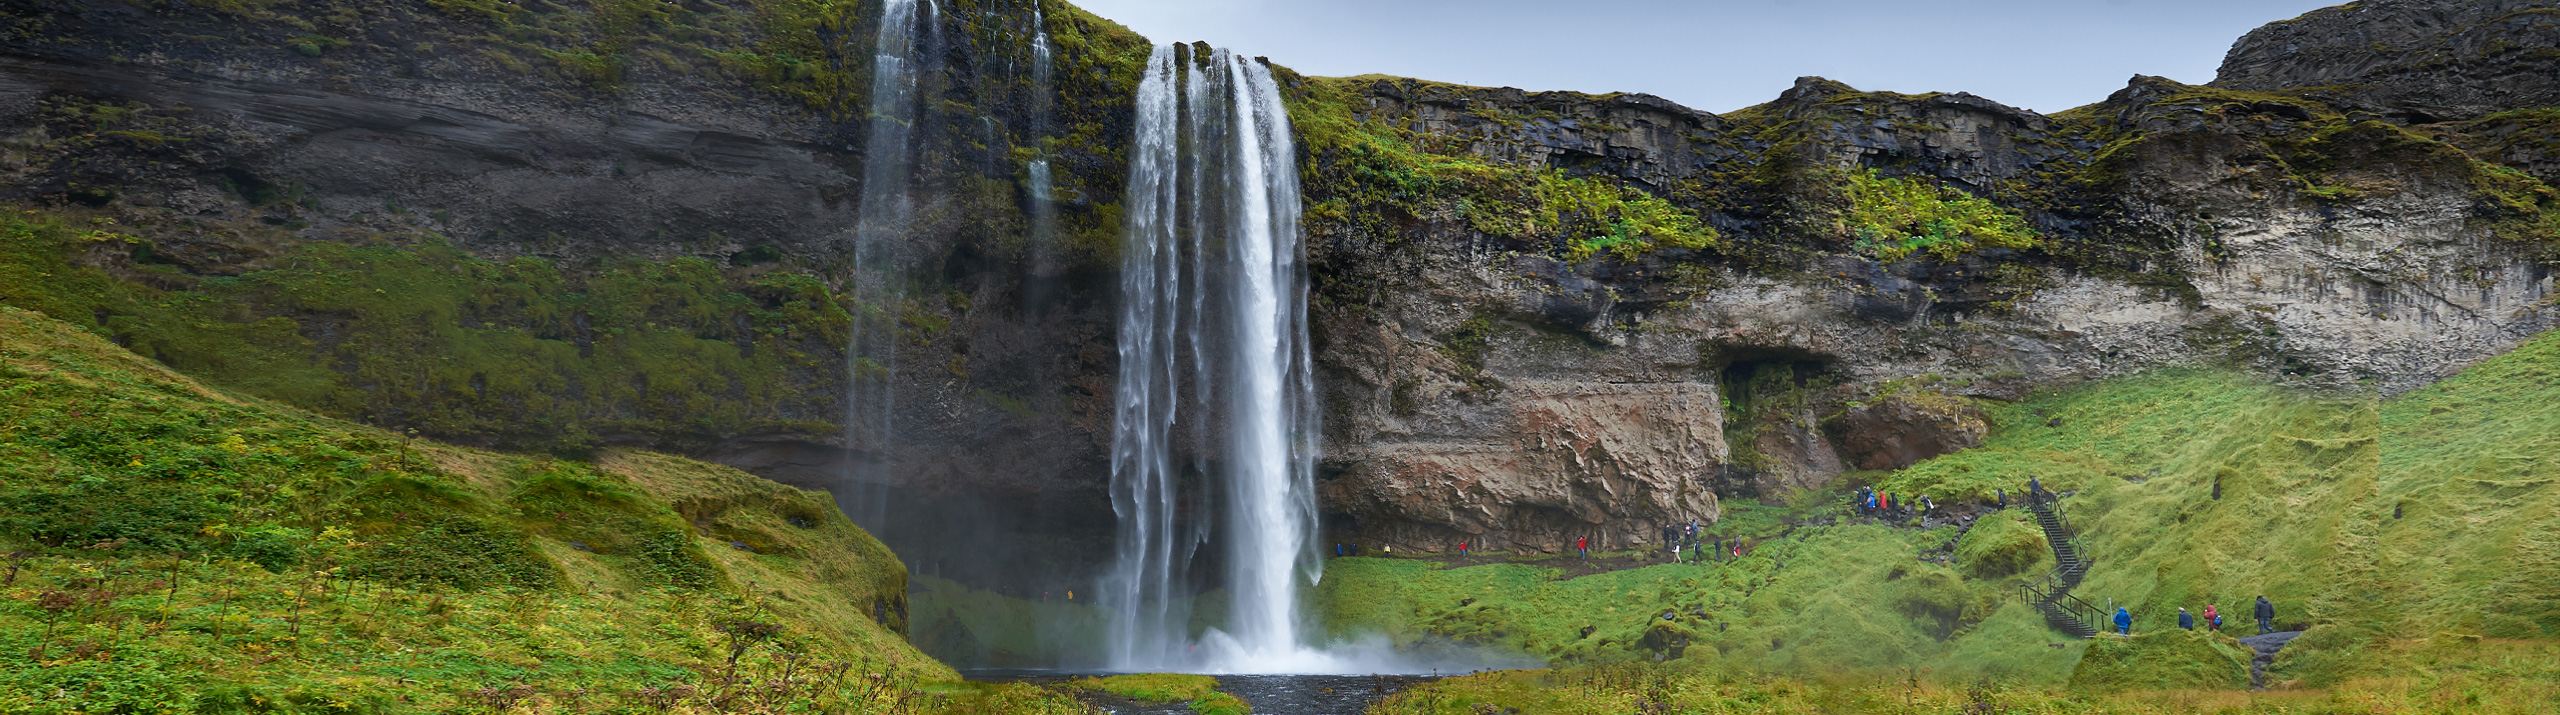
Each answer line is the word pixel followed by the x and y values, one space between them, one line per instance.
pixel 888 213
pixel 1213 309
pixel 1044 205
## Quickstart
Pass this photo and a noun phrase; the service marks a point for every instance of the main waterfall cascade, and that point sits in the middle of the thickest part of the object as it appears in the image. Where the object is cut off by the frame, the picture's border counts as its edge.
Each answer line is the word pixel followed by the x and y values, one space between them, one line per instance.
pixel 1214 363
pixel 888 213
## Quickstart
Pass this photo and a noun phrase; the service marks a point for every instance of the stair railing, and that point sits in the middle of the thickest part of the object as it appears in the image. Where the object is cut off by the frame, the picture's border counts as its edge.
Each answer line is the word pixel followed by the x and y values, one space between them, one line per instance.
pixel 2053 594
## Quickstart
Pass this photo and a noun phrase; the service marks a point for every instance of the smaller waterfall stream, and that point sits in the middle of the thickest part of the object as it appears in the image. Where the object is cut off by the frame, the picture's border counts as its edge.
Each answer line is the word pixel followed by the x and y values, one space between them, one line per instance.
pixel 887 216
pixel 1044 204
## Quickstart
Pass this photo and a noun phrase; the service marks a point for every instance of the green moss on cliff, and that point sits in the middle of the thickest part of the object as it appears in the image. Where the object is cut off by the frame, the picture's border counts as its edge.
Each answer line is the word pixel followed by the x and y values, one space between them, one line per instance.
pixel 419 335
pixel 1892 218
pixel 1371 175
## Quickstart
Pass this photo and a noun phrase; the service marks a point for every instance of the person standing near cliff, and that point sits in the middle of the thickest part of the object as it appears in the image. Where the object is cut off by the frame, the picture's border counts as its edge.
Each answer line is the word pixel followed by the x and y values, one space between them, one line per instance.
pixel 1583 544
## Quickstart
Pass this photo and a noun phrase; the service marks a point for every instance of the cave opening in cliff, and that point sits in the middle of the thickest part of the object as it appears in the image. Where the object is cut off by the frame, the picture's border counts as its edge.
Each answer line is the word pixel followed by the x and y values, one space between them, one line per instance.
pixel 1770 396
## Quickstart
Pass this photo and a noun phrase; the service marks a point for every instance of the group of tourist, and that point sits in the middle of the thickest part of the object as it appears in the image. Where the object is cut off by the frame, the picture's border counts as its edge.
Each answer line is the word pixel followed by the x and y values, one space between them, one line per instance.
pixel 1881 504
pixel 1681 542
pixel 2265 613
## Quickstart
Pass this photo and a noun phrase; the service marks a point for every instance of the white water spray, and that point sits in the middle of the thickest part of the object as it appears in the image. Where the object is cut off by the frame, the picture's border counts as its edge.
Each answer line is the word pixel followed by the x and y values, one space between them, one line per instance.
pixel 1213 266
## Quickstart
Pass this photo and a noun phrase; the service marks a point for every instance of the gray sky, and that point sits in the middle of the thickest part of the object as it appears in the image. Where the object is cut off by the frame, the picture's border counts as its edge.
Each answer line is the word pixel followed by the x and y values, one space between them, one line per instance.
pixel 1722 55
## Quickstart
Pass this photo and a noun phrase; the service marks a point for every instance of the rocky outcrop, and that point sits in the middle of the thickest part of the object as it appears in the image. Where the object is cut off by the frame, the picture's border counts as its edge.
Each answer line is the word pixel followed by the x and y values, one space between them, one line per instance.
pixel 1898 429
pixel 2415 61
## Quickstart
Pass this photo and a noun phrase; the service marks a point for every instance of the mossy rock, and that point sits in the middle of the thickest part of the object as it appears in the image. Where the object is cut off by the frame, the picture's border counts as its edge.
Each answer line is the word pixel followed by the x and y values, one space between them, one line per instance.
pixel 2000 544
pixel 2170 659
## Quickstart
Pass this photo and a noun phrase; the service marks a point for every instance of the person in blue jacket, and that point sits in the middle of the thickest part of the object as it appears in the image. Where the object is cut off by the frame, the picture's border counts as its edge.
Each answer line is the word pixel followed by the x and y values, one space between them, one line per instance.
pixel 2124 621
pixel 2186 620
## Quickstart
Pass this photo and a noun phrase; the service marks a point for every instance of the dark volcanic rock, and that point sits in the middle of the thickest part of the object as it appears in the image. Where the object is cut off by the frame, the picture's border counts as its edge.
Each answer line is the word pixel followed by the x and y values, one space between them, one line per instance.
pixel 2416 61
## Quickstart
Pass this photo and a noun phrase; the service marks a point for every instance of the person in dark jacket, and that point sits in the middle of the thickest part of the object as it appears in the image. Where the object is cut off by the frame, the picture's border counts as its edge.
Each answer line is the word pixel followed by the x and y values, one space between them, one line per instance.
pixel 2034 487
pixel 2124 621
pixel 2003 496
pixel 2266 616
pixel 2186 620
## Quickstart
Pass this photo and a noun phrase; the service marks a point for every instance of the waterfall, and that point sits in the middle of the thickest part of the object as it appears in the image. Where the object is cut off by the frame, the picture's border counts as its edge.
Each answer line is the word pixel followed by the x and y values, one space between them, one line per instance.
pixel 1213 303
pixel 887 214
pixel 1044 205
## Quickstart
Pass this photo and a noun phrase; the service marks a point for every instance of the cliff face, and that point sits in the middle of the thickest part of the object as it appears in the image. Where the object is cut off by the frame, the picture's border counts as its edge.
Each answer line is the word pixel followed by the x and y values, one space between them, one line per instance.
pixel 558 228
pixel 2171 224
pixel 2413 60
pixel 1538 315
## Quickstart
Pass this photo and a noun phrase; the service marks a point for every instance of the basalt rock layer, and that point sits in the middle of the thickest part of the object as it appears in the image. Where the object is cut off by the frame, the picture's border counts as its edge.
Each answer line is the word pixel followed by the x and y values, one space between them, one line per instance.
pixel 1537 316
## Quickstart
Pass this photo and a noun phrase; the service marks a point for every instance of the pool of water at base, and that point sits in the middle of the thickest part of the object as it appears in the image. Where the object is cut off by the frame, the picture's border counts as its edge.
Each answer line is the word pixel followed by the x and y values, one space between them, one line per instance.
pixel 1268 694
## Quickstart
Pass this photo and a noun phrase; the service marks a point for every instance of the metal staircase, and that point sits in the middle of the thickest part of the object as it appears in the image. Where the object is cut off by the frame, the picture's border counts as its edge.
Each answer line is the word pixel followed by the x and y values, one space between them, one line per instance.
pixel 2052 596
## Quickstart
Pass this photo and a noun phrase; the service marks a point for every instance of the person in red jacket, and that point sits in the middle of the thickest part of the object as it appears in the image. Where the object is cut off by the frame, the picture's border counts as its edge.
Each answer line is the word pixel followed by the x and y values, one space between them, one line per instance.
pixel 1462 549
pixel 1583 544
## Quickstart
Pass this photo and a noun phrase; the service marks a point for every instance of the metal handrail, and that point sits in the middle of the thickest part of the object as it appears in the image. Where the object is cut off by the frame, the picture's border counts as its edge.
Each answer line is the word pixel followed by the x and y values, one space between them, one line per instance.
pixel 2054 591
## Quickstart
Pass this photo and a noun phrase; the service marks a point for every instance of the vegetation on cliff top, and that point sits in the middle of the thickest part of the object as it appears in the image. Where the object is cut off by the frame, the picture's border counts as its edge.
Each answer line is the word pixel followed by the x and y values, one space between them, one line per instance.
pixel 1368 173
pixel 178 548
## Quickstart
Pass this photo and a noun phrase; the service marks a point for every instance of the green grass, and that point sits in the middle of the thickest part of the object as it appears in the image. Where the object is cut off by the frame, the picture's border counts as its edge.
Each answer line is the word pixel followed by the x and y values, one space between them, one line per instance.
pixel 2164 660
pixel 420 335
pixel 1200 692
pixel 2379 525
pixel 174 548
pixel 1844 599
pixel 2495 679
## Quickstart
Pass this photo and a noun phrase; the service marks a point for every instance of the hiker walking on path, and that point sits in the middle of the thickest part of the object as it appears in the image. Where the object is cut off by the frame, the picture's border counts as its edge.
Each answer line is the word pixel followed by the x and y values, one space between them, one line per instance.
pixel 2034 487
pixel 2186 621
pixel 2003 496
pixel 2266 616
pixel 2212 618
pixel 2124 621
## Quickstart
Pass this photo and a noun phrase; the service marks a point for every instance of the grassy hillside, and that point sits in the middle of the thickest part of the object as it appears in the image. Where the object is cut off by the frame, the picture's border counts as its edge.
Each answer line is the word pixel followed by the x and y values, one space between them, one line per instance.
pixel 2411 536
pixel 1628 688
pixel 2408 535
pixel 176 548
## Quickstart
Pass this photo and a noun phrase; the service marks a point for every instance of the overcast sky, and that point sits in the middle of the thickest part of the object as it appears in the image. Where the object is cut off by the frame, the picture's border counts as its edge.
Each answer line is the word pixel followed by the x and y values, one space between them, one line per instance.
pixel 1722 55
